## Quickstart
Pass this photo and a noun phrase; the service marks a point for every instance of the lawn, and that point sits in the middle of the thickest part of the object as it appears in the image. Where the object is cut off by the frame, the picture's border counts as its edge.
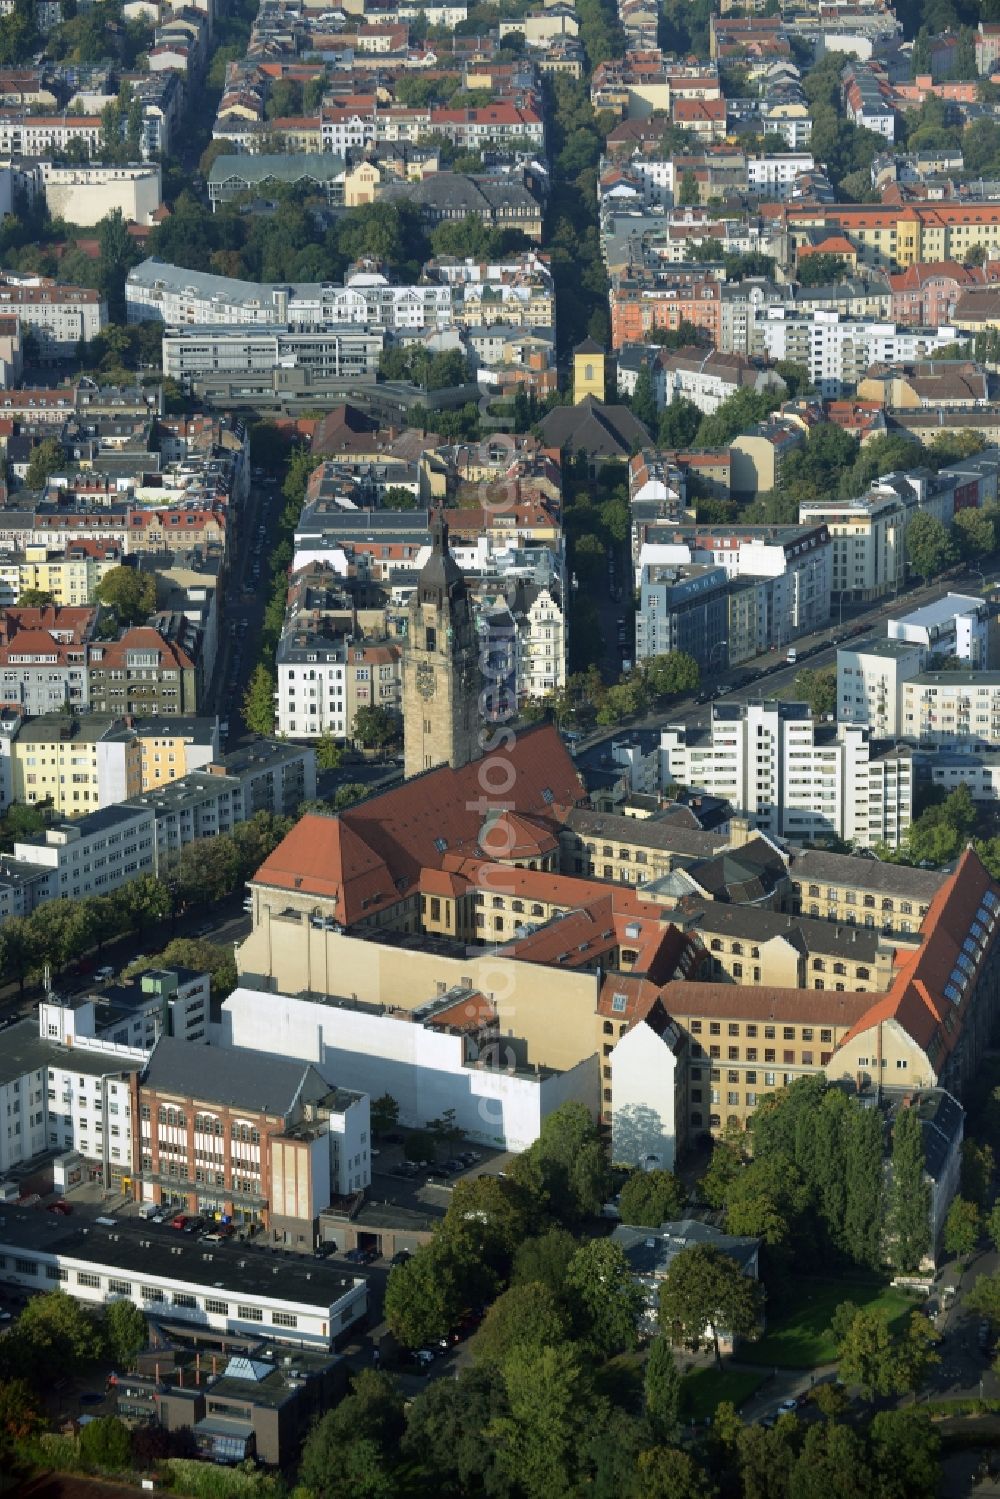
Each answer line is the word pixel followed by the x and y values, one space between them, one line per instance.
pixel 703 1390
pixel 798 1333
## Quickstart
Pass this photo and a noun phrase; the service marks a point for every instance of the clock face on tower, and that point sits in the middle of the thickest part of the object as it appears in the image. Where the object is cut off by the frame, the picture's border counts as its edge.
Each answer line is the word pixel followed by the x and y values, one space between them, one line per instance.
pixel 425 680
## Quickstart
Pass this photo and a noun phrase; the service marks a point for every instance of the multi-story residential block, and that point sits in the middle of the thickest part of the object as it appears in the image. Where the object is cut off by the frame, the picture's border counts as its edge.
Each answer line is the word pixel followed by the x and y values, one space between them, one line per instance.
pixel 24 134
pixel 94 854
pixel 74 764
pixel 60 317
pixel 145 673
pixel 868 542
pixel 870 676
pixel 67 1096
pixel 43 657
pixel 247 1136
pixel 683 608
pixel 838 350
pixel 70 575
pixel 707 378
pixel 959 709
pixel 792 777
pixel 957 625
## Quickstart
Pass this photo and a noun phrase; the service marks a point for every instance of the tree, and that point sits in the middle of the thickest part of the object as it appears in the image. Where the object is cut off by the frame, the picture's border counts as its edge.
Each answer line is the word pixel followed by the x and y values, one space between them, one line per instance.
pixel 872 1358
pixel 501 1211
pixel 524 1315
pixel 669 673
pixel 818 689
pixel 568 1162
pixel 346 1454
pixel 444 1430
pixel 47 457
pixel 974 533
pixel 125 1331
pixel 725 1165
pixel 374 726
pixel 61 1333
pixel 669 1473
pixel 258 701
pixel 21 1417
pixel 538 1445
pixel 398 498
pixel 704 1293
pixel 904 1450
pixel 910 1193
pixel 992 1225
pixel 329 754
pixel 821 269
pixel 984 1298
pixel 545 1259
pixel 384 1114
pixel 35 598
pixel 961 1228
pixel 130 593
pixel 690 194
pixel 643 401
pixel 106 1443
pixel 976 1174
pixel 649 1198
pixel 607 1301
pixel 662 1392
pixel 422 1298
pixel 864 1202
pixel 679 423
pixel 831 1465
pixel 928 545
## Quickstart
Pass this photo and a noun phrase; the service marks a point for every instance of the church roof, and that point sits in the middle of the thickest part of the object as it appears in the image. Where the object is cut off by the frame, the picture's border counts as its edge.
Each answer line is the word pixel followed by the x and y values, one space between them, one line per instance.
pixel 594 427
pixel 589 346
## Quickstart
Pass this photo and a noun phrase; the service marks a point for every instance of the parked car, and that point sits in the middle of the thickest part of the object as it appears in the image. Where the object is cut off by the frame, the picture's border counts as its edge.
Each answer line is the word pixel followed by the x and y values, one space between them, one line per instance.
pixel 401 1256
pixel 424 1357
pixel 180 1221
pixel 361 1256
pixel 104 974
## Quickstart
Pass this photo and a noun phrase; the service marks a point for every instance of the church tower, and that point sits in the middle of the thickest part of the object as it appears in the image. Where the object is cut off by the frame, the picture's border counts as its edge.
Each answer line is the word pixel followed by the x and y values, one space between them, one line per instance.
pixel 441 678
pixel 589 373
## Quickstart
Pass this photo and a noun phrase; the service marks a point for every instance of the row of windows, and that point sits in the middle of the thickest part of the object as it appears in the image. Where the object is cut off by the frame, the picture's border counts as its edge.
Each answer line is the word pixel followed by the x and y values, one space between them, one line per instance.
pixel 750 1029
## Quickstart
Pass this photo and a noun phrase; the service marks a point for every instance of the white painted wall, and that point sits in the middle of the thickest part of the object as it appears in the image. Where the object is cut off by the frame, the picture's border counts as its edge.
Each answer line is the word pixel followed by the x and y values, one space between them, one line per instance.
pixel 423 1070
pixel 643 1100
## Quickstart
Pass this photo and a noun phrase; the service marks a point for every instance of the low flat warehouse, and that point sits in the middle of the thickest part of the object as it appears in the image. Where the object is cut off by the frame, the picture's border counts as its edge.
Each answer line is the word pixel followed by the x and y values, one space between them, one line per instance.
pixel 221 1288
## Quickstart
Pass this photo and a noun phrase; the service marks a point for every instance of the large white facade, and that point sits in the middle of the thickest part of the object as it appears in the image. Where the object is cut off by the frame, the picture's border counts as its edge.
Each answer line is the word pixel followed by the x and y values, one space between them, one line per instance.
pixel 957 625
pixel 870 676
pixel 648 1103
pixel 426 1071
pixel 792 777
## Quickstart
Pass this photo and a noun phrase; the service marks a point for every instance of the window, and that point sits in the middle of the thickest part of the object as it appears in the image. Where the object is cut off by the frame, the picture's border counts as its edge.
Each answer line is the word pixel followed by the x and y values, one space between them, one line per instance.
pixel 733 1053
pixel 788 1033
pixel 751 1030
pixel 249 1314
pixel 119 1288
pixel 751 1053
pixel 769 1033
pixel 714 1028
pixel 734 1030
pixel 768 1053
pixel 182 1298
pixel 216 1308
pixel 285 1319
pixel 88 1278
pixel 696 1027
pixel 788 1057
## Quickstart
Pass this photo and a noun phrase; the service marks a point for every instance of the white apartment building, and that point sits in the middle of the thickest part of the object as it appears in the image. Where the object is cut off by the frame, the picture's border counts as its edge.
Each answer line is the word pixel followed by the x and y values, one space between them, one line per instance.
pixel 542 645
pixel 188 299
pixel 797 561
pixel 957 625
pixel 980 772
pixel 836 350
pixel 311 696
pixel 59 316
pixel 773 176
pixel 870 676
pixel 868 535
pixel 791 777
pixel 36 135
pixel 94 854
pixel 66 1098
pixel 959 709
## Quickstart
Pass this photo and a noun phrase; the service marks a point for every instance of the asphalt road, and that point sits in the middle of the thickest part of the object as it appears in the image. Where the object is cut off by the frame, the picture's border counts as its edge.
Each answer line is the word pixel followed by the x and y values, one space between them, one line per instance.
pixel 774 675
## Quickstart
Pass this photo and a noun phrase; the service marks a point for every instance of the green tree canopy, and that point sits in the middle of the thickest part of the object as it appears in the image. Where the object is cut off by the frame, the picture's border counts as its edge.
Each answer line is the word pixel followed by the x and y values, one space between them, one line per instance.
pixel 132 594
pixel 649 1198
pixel 706 1293
pixel 929 548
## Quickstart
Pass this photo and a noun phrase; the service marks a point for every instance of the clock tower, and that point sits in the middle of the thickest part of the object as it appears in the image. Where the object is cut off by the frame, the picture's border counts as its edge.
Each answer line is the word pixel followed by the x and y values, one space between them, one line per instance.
pixel 441 677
